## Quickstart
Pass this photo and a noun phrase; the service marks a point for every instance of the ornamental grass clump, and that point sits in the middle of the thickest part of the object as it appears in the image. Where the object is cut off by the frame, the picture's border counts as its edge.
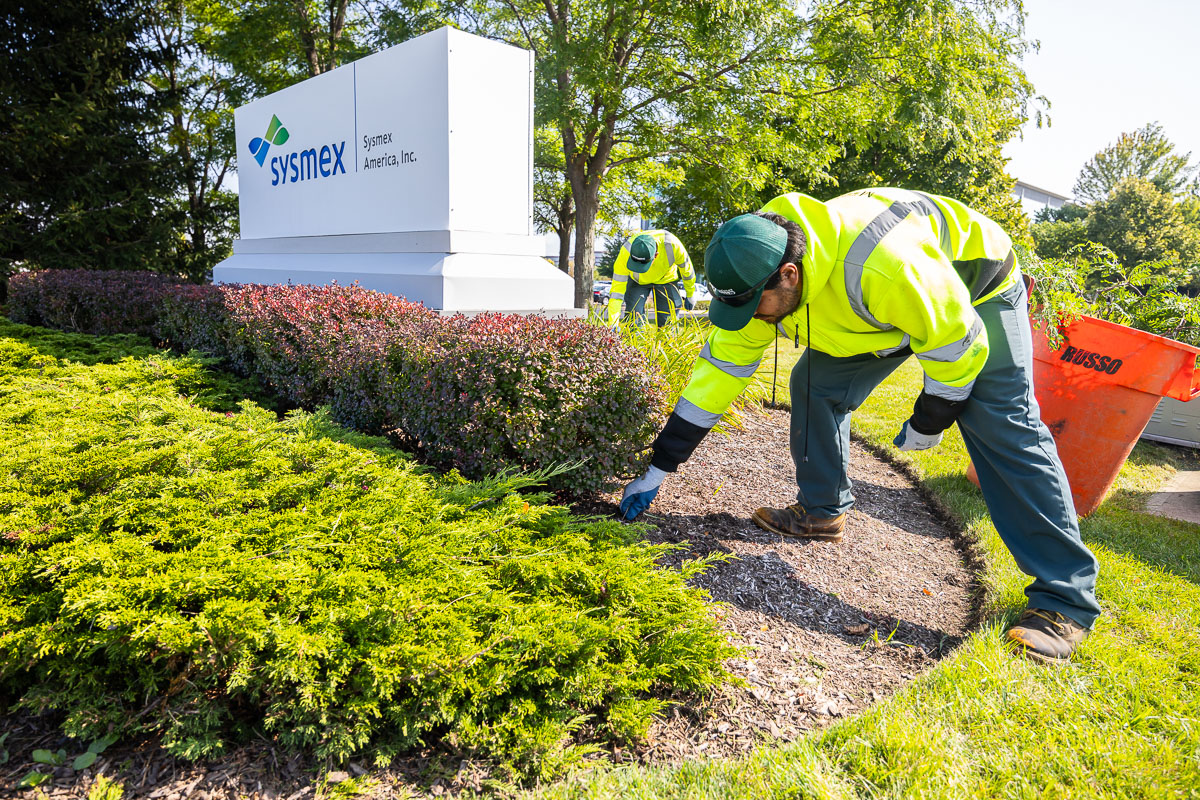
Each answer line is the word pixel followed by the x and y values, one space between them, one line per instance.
pixel 202 576
pixel 673 351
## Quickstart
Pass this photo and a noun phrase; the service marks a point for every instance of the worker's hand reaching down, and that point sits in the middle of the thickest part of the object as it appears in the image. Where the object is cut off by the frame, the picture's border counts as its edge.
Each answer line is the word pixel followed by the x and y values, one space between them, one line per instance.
pixel 911 439
pixel 639 494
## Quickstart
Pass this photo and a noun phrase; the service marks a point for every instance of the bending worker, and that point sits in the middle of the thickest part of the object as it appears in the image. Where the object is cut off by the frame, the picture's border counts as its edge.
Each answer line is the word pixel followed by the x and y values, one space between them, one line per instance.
pixel 651 261
pixel 865 280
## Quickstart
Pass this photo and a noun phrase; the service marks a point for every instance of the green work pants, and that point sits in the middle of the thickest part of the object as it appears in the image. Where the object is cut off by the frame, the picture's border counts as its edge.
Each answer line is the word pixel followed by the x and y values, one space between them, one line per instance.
pixel 1022 479
pixel 667 301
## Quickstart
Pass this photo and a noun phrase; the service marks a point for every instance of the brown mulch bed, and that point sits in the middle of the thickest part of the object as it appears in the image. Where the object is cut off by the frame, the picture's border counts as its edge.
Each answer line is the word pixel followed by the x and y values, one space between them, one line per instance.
pixel 827 629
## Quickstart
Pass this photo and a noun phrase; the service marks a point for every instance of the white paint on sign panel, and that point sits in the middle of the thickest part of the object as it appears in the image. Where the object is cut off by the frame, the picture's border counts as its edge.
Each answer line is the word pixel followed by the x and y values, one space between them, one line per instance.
pixel 409 171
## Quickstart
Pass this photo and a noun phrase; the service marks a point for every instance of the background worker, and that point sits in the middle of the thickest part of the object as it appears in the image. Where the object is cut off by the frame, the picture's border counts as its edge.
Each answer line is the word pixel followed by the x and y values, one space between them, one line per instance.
pixel 651 261
pixel 866 280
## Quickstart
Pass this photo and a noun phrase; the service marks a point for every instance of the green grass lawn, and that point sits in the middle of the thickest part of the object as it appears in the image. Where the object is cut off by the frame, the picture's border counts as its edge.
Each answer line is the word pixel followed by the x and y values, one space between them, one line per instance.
pixel 1122 721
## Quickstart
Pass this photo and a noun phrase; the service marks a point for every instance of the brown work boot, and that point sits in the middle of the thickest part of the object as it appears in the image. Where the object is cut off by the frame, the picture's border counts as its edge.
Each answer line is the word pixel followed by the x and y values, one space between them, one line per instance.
pixel 1046 636
pixel 797 523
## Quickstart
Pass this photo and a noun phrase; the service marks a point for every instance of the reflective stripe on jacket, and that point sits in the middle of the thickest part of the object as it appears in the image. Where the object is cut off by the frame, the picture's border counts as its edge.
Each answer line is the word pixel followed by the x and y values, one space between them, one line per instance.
pixel 883 269
pixel 671 263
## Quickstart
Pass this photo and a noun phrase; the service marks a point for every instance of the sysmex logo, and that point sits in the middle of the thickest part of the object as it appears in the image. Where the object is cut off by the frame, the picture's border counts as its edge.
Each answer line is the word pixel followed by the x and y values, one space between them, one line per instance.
pixel 303 165
pixel 276 134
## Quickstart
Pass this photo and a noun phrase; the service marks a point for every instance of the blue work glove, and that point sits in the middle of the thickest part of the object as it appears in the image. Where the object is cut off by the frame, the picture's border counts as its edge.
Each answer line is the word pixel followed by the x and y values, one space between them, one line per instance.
pixel 639 494
pixel 689 303
pixel 910 439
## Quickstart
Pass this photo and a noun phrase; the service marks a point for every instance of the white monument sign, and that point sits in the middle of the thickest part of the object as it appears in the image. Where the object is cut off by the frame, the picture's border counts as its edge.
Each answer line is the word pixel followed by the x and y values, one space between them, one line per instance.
pixel 409 171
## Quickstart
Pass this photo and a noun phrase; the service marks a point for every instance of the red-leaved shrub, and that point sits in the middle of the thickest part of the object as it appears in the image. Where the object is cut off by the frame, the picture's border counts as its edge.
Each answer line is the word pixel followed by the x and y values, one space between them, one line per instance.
pixel 288 336
pixel 480 394
pixel 89 301
pixel 494 391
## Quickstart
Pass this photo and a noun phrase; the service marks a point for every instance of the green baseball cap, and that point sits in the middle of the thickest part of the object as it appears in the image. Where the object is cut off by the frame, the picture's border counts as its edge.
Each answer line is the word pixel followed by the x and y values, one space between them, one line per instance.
pixel 743 255
pixel 641 253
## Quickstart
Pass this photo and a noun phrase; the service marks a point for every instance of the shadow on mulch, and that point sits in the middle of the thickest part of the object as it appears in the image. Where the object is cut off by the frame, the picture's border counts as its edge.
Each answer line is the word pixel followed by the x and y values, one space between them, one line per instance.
pixel 828 628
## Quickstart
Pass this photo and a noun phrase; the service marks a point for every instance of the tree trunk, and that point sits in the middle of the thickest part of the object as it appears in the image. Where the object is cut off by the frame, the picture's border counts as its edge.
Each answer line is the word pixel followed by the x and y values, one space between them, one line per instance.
pixel 564 248
pixel 308 40
pixel 566 222
pixel 587 206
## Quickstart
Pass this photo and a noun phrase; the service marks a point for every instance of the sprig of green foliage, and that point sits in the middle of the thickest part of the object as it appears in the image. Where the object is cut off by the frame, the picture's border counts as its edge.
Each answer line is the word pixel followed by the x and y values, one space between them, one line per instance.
pixel 1090 280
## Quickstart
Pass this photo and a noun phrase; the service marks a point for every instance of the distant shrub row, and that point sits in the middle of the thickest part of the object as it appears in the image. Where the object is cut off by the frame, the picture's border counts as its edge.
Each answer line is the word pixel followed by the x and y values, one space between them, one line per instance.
pixel 89 301
pixel 480 394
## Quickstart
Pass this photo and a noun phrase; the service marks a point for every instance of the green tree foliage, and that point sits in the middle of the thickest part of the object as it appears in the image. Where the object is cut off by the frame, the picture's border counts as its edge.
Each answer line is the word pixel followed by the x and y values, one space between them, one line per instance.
pixel 199 140
pixel 553 205
pixel 1056 231
pixel 1189 207
pixel 1141 223
pixel 628 193
pixel 1056 238
pixel 939 91
pixel 655 78
pixel 1069 212
pixel 272 44
pixel 80 181
pixel 1145 153
pixel 607 262
pixel 920 95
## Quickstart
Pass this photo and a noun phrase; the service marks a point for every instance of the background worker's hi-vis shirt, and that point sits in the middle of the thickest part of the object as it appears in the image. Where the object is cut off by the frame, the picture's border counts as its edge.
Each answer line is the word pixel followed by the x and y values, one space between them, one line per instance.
pixel 671 263
pixel 883 270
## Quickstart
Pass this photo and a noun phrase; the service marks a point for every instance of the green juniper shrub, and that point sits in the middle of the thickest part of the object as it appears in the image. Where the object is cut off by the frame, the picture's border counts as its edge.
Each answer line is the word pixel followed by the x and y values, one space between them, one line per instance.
pixel 26 346
pixel 23 342
pixel 173 571
pixel 89 301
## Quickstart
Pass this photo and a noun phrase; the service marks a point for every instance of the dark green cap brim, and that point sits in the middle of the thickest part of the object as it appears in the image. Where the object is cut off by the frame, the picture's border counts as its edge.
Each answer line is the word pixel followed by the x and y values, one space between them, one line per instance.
pixel 642 252
pixel 732 318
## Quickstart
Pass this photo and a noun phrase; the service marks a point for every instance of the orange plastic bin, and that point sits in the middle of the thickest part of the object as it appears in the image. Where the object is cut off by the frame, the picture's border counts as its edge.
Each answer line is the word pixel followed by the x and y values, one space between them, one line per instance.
pixel 1097 392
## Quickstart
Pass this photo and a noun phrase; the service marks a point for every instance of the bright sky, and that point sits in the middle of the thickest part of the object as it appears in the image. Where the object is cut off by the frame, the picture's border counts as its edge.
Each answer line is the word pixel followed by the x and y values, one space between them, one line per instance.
pixel 1107 67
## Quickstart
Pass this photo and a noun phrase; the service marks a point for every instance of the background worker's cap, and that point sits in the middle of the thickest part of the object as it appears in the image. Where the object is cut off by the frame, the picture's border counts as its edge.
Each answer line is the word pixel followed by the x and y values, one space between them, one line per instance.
pixel 744 252
pixel 641 253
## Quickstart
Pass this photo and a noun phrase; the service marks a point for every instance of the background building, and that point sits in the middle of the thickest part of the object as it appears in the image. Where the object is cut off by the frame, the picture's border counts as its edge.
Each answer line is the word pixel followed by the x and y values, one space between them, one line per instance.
pixel 1034 199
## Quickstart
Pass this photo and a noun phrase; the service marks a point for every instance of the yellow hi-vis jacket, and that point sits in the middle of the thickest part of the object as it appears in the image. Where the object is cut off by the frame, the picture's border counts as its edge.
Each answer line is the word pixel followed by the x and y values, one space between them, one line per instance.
pixel 882 270
pixel 671 263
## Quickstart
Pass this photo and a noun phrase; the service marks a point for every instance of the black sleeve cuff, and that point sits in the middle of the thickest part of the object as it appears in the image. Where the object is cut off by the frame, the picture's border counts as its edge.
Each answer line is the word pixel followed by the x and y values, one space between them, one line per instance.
pixel 933 414
pixel 676 443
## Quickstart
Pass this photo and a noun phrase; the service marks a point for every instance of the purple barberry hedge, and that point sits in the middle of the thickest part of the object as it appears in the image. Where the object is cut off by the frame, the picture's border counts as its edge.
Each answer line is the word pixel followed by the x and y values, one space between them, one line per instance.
pixel 89 301
pixel 479 394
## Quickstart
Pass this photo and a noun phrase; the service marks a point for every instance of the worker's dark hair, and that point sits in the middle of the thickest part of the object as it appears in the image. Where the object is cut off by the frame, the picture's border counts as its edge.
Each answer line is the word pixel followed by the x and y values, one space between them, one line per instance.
pixel 795 243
